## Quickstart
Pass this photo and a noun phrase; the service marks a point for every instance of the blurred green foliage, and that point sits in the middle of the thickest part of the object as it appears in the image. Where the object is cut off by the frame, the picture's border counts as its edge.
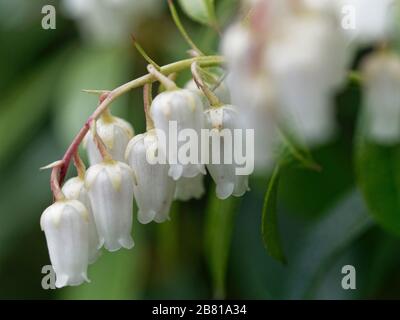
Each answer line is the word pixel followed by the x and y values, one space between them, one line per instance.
pixel 209 246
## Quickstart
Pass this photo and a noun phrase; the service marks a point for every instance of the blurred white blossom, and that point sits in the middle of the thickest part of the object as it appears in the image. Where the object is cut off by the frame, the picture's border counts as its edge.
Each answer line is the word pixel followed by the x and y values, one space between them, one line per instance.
pixel 110 21
pixel 381 73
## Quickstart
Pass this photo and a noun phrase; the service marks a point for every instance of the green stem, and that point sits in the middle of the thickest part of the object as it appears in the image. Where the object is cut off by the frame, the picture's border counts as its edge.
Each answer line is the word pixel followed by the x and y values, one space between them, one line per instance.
pixel 143 53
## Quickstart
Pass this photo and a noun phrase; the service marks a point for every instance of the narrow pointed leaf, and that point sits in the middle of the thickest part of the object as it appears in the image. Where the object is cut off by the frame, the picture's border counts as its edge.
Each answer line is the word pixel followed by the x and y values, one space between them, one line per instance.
pixel 269 223
pixel 378 176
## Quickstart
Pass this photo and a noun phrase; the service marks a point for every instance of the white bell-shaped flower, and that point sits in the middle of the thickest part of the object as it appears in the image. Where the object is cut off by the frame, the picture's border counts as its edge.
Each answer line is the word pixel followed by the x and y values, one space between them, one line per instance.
pixel 307 62
pixel 154 188
pixel 74 189
pixel 222 170
pixel 65 224
pixel 110 188
pixel 251 89
pixel 190 188
pixel 382 97
pixel 172 113
pixel 115 133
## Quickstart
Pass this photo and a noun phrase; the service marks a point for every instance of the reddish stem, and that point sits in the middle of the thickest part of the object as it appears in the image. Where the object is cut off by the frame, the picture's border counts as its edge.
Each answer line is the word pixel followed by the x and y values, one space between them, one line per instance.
pixel 55 185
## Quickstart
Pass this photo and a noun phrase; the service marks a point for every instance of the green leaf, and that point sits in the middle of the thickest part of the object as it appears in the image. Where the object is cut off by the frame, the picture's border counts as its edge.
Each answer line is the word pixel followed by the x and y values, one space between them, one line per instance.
pixel 219 224
pixel 293 151
pixel 269 220
pixel 378 176
pixel 291 154
pixel 202 11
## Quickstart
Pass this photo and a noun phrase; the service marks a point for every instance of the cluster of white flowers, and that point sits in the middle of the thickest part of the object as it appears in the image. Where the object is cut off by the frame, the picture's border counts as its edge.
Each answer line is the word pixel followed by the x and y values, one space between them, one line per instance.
pixel 97 207
pixel 288 58
pixel 285 62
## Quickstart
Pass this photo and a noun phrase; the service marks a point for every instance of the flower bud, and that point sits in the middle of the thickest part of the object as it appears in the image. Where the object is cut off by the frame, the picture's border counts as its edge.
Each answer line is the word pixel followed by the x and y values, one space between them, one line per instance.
pixel 74 189
pixel 184 109
pixel 154 188
pixel 224 174
pixel 382 97
pixel 189 188
pixel 115 133
pixel 65 224
pixel 110 189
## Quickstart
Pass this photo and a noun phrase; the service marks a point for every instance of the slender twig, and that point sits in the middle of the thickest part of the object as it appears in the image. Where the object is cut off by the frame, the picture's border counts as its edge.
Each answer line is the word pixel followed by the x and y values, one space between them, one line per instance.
pixel 55 184
pixel 105 154
pixel 143 53
pixel 204 61
pixel 180 27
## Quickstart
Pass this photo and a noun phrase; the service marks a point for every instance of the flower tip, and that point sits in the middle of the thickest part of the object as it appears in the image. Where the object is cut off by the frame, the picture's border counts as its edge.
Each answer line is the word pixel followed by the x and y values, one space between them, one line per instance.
pixel 52 165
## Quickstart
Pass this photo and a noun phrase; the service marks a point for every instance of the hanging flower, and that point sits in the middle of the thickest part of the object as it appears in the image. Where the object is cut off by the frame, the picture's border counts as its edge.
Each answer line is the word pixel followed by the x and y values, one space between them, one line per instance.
pixel 178 109
pixel 74 189
pixel 190 188
pixel 251 88
pixel 114 132
pixel 224 174
pixel 110 188
pixel 381 73
pixel 153 189
pixel 65 224
pixel 307 61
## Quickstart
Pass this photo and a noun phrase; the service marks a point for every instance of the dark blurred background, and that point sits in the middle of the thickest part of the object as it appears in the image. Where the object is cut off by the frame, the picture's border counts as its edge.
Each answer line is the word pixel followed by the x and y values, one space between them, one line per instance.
pixel 323 221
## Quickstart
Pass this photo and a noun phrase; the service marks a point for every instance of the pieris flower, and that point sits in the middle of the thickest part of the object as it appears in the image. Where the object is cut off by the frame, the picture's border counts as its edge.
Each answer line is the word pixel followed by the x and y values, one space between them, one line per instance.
pixel 223 173
pixel 251 89
pixel 182 108
pixel 363 21
pixel 115 133
pixel 110 189
pixel 154 188
pixel 65 224
pixel 382 97
pixel 190 188
pixel 74 189
pixel 307 62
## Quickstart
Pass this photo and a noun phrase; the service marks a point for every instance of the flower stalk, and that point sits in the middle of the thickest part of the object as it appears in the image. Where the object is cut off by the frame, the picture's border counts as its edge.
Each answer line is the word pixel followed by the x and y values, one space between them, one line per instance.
pixel 211 96
pixel 147 99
